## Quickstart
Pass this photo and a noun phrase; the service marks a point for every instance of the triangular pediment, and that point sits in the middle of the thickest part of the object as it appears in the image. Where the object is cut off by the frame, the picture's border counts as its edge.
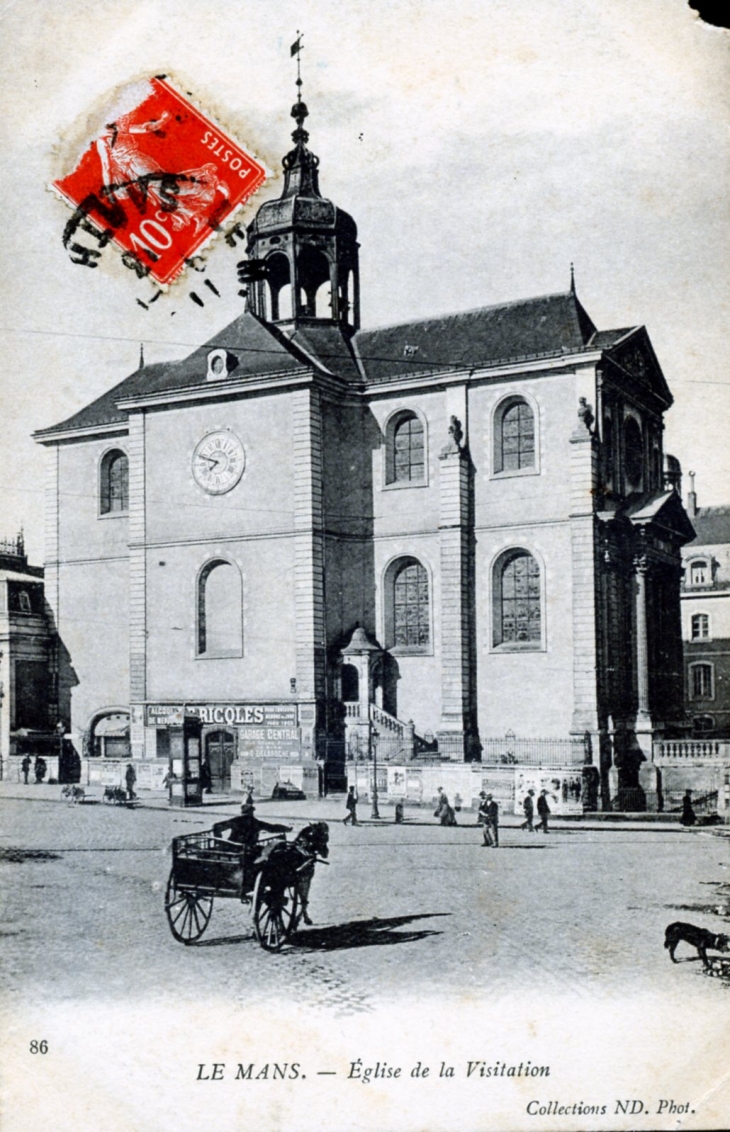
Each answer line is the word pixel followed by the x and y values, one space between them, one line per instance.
pixel 634 354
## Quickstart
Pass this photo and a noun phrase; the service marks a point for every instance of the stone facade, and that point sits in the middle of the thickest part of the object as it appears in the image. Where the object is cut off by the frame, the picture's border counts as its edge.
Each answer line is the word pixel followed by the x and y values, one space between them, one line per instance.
pixel 319 540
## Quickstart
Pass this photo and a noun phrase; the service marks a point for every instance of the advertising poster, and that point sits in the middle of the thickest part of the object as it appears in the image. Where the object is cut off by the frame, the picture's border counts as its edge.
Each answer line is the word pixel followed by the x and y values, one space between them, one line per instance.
pixel 365 408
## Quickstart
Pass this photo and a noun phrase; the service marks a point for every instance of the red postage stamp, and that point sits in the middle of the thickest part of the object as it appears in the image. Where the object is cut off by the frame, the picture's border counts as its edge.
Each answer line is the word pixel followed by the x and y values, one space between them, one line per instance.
pixel 158 181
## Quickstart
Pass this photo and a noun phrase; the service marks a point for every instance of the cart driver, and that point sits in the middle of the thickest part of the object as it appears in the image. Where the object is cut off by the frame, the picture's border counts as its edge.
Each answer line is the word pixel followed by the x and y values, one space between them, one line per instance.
pixel 245 829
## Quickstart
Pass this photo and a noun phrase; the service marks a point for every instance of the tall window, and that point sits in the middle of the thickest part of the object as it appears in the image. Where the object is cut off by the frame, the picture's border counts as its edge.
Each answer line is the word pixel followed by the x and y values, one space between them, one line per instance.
pixel 633 452
pixel 700 626
pixel 514 437
pixel 701 681
pixel 220 622
pixel 517 614
pixel 407 450
pixel 114 485
pixel 407 606
pixel 698 574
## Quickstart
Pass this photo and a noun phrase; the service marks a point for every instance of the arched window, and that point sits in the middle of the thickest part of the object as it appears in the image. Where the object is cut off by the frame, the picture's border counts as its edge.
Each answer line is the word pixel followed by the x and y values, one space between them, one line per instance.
pixel 701 681
pixel 517 601
pixel 405 449
pixel 407 606
pixel 114 483
pixel 350 683
pixel 514 436
pixel 220 610
pixel 700 626
pixel 699 573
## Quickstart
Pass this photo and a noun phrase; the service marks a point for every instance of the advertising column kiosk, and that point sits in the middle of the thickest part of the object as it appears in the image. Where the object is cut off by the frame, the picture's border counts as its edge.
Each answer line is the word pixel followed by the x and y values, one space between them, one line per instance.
pixel 184 778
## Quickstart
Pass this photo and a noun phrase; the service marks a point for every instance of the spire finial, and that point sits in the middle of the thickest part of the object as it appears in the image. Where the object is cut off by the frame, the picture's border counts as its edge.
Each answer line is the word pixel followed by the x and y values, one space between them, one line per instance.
pixel 141 356
pixel 299 110
pixel 572 279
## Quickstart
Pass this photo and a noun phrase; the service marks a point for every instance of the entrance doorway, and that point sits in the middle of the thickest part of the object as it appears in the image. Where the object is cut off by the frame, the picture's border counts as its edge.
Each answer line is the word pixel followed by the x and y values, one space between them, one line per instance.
pixel 220 751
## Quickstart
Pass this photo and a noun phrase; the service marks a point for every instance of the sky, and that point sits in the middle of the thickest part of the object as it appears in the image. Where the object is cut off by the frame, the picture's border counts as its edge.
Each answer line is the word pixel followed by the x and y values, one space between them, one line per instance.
pixel 481 146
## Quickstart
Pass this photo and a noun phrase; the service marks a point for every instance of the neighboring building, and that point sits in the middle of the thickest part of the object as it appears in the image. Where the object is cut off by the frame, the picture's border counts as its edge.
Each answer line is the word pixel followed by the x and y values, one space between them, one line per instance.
pixel 452 536
pixel 27 658
pixel 706 620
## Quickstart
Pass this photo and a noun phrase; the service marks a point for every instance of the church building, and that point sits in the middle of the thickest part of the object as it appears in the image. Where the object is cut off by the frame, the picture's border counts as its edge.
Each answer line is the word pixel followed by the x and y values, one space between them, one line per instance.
pixel 448 539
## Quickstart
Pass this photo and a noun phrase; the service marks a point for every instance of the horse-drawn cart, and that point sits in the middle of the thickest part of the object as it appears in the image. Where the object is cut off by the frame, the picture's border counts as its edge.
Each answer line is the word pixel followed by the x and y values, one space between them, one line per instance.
pixel 274 878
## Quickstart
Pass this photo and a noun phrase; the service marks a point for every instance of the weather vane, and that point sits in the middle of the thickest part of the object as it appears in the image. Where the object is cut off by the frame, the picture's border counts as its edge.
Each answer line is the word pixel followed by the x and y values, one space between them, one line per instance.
pixel 296 49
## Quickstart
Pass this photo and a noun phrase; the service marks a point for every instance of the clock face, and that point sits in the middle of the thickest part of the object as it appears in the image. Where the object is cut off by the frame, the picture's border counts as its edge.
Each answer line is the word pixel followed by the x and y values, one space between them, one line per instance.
pixel 218 462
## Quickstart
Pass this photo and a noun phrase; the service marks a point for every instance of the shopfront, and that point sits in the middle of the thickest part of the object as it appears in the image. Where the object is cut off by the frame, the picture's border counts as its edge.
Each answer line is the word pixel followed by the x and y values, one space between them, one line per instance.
pixel 244 745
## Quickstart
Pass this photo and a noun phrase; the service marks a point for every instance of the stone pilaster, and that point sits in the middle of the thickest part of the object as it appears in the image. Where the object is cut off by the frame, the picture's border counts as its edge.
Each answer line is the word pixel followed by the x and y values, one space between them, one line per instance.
pixel 137 569
pixel 583 483
pixel 309 545
pixel 457 668
pixel 51 577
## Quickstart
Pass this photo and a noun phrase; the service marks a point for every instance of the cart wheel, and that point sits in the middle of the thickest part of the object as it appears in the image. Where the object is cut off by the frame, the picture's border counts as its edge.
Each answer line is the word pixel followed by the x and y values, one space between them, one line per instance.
pixel 274 909
pixel 188 913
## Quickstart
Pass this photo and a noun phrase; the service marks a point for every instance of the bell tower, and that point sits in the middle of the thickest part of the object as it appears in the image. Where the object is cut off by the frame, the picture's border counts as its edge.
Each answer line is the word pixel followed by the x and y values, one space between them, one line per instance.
pixel 306 246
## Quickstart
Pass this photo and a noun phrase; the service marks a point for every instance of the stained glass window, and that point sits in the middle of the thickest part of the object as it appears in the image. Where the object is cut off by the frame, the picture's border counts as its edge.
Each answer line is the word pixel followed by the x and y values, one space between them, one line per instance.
pixel 520 600
pixel 408 449
pixel 517 439
pixel 410 606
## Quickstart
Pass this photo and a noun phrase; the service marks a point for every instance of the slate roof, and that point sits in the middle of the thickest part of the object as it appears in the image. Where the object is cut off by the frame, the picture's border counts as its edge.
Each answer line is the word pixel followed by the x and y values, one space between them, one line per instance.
pixel 712 525
pixel 546 326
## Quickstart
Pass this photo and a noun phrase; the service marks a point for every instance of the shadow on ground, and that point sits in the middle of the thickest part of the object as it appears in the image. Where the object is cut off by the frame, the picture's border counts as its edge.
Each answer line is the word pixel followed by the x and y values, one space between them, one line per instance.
pixel 363 933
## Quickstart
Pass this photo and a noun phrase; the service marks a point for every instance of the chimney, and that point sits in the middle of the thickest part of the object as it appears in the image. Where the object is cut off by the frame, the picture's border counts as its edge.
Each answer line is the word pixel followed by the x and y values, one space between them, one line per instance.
pixel 692 497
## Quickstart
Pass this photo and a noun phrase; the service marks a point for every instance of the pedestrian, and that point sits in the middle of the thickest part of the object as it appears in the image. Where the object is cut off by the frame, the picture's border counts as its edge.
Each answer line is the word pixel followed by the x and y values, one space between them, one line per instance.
pixel 351 807
pixel 528 807
pixel 130 777
pixel 398 815
pixel 493 821
pixel 688 817
pixel 25 767
pixel 444 811
pixel 40 768
pixel 483 818
pixel 543 810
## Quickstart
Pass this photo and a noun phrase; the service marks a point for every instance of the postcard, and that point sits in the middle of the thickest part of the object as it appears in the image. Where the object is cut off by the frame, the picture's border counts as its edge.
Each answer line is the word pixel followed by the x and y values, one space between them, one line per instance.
pixel 364 567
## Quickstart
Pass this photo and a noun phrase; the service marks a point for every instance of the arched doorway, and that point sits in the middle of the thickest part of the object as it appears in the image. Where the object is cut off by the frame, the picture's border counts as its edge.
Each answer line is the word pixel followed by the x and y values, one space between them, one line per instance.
pixel 350 678
pixel 220 751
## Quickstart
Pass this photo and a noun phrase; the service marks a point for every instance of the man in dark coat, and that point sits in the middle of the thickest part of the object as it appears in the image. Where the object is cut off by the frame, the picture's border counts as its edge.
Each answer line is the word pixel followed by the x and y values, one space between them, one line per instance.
pixel 25 767
pixel 484 819
pixel 529 809
pixel 351 807
pixel 543 810
pixel 244 830
pixel 493 821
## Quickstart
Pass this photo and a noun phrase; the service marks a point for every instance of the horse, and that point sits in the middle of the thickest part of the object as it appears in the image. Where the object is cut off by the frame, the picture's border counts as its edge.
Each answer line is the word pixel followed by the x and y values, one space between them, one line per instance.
pixel 298 857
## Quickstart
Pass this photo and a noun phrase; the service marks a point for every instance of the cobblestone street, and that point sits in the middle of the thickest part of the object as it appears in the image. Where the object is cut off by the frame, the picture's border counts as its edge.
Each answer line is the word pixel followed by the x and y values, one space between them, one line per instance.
pixel 398 908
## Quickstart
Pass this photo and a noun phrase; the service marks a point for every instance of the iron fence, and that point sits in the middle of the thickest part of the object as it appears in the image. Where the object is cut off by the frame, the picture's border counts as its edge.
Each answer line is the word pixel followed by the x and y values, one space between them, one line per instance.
pixel 535 752
pixel 701 803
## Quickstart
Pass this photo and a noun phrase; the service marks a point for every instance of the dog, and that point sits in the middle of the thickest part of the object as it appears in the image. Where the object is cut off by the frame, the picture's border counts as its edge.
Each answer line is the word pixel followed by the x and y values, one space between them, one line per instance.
pixel 74 793
pixel 115 796
pixel 697 937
